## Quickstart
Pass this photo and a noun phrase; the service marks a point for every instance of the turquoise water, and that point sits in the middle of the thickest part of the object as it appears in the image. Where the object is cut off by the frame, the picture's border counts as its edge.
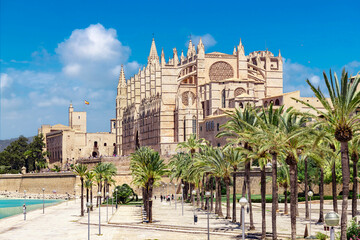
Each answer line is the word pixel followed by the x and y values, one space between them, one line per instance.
pixel 9 207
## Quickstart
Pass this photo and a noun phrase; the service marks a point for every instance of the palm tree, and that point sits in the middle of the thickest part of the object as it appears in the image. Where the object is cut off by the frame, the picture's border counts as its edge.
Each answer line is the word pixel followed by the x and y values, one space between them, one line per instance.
pixel 100 171
pixel 81 170
pixel 147 168
pixel 239 129
pixel 284 181
pixel 90 175
pixel 340 114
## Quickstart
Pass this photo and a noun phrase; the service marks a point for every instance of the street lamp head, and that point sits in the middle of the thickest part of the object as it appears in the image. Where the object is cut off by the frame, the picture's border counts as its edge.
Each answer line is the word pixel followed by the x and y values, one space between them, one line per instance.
pixel 332 219
pixel 310 193
pixel 43 189
pixel 182 185
pixel 88 204
pixel 207 194
pixel 99 194
pixel 116 189
pixel 243 201
pixel 107 193
pixel 24 191
pixel 175 184
pixel 193 192
pixel 112 191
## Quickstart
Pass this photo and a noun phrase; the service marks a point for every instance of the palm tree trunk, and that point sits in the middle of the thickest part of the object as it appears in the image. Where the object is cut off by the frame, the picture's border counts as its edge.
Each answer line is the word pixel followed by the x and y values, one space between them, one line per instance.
pixel 321 193
pixel 82 196
pixel 151 182
pixel 216 194
pixel 346 180
pixel 293 197
pixel 198 196
pixel 263 202
pixel 306 189
pixel 286 210
pixel 296 191
pixel 247 171
pixel 274 194
pixel 218 197
pixel 234 196
pixel 227 183
pixel 333 175
pixel 355 159
pixel 91 198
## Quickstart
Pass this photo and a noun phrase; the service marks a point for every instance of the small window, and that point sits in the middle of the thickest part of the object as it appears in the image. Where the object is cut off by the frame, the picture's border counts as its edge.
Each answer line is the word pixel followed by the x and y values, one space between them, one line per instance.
pixel 200 128
pixel 78 117
pixel 218 127
pixel 218 144
pixel 104 144
pixel 212 125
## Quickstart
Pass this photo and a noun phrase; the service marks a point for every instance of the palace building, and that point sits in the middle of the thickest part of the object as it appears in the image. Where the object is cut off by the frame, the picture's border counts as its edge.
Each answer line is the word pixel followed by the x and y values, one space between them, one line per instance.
pixel 167 101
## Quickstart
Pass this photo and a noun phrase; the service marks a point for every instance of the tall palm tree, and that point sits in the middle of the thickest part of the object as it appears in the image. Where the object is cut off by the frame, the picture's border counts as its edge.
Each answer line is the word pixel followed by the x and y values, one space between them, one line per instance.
pixel 81 170
pixel 284 181
pixel 339 112
pixel 100 172
pixel 238 129
pixel 147 168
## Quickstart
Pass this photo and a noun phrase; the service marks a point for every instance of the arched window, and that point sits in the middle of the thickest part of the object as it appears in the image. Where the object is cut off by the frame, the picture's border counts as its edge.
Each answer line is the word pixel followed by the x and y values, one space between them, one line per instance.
pixel 95 144
pixel 223 99
pixel 194 125
pixel 265 104
pixel 277 102
pixel 184 129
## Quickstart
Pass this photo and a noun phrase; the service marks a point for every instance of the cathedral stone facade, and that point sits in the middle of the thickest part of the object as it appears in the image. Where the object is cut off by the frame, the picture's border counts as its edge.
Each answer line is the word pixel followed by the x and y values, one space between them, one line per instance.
pixel 164 103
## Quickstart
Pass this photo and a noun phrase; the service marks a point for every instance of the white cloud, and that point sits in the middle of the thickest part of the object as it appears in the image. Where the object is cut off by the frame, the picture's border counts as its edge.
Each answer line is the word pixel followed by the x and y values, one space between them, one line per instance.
pixel 207 40
pixel 314 79
pixel 5 80
pixel 353 67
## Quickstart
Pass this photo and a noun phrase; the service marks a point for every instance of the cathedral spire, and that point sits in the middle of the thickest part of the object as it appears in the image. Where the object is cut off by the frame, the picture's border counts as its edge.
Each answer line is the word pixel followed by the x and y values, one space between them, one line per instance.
pixel 201 49
pixel 122 80
pixel 280 57
pixel 190 48
pixel 241 48
pixel 182 56
pixel 234 52
pixel 153 53
pixel 175 57
pixel 162 57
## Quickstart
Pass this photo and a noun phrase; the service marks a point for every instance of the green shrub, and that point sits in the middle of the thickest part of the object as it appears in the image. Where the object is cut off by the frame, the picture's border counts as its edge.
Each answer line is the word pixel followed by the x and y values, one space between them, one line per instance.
pixel 353 230
pixel 125 194
pixel 321 236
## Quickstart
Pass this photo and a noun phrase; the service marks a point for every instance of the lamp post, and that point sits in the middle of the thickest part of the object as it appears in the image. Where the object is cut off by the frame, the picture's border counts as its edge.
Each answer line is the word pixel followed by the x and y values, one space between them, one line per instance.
pixel 243 202
pixel 116 190
pixel 112 203
pixel 182 199
pixel 332 219
pixel 43 189
pixel 310 194
pixel 24 207
pixel 107 206
pixel 99 196
pixel 88 205
pixel 207 195
pixel 175 195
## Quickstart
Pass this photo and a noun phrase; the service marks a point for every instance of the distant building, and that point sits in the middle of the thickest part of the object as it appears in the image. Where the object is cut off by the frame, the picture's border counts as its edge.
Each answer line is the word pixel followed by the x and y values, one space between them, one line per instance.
pixel 66 144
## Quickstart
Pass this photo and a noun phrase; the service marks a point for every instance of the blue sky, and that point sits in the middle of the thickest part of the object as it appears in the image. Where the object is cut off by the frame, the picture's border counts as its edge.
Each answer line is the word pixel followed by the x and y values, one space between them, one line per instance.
pixel 54 52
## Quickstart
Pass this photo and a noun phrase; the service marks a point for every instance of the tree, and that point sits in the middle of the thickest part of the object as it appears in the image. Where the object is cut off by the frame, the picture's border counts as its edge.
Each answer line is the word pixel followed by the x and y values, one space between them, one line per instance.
pixel 147 168
pixel 355 153
pixel 13 155
pixel 125 194
pixel 339 113
pixel 81 170
pixel 34 155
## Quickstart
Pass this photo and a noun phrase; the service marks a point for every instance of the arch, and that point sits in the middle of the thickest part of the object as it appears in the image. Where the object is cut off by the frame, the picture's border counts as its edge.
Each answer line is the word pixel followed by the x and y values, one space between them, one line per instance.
pixel 241 105
pixel 239 91
pixel 265 104
pixel 95 144
pixel 194 125
pixel 277 102
pixel 94 154
pixel 137 141
pixel 223 99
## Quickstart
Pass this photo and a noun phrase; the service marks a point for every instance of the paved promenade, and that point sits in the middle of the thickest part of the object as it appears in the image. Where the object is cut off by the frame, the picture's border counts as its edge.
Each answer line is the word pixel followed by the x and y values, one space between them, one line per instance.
pixel 62 221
